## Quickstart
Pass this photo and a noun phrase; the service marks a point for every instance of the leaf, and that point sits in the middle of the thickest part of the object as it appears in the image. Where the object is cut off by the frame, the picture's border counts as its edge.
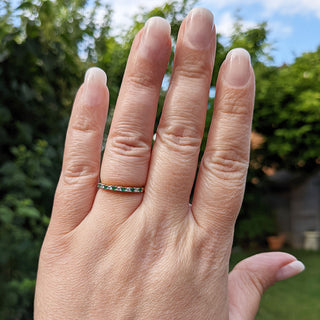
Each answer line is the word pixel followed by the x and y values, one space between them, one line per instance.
pixel 28 212
pixel 25 5
pixel 6 215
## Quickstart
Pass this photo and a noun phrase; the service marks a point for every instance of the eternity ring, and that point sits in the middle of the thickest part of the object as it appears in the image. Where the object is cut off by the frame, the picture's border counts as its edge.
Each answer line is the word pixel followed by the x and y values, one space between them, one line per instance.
pixel 120 188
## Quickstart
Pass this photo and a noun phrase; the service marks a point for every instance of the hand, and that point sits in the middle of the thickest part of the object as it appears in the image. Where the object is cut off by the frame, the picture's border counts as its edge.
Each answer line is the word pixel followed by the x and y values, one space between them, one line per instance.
pixel 151 255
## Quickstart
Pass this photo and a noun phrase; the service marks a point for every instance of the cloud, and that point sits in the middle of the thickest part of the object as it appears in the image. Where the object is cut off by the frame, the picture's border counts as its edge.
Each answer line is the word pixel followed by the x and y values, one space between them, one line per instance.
pixel 225 24
pixel 270 7
pixel 226 21
pixel 279 29
pixel 292 7
pixel 124 10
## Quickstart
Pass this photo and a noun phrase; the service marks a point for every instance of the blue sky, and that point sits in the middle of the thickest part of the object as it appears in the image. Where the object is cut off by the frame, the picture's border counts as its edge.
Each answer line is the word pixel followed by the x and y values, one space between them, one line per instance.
pixel 294 24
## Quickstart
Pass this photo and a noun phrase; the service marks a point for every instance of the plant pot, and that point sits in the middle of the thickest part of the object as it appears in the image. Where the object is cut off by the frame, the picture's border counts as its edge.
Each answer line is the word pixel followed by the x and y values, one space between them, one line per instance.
pixel 276 242
pixel 311 240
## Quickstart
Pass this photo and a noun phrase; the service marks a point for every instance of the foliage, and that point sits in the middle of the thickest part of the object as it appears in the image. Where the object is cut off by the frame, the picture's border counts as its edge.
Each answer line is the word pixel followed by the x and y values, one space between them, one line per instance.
pixel 253 40
pixel 256 220
pixel 287 114
pixel 41 66
pixel 22 223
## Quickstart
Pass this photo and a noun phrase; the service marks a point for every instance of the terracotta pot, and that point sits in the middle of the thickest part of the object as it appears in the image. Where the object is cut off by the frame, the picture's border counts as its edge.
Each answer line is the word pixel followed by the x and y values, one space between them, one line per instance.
pixel 276 242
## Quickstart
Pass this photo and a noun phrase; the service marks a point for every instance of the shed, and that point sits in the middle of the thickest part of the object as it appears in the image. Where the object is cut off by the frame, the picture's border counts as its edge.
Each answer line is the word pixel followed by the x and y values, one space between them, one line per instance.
pixel 295 199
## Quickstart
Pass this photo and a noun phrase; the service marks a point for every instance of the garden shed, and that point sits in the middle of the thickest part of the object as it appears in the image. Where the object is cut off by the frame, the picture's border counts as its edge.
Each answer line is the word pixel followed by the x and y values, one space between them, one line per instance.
pixel 295 201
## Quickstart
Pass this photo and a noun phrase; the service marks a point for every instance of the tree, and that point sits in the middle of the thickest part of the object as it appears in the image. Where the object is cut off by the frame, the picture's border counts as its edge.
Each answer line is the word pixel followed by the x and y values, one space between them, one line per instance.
pixel 41 44
pixel 287 115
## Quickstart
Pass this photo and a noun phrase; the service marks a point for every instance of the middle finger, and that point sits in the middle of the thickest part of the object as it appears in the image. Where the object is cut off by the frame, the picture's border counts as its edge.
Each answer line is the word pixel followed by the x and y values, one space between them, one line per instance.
pixel 175 154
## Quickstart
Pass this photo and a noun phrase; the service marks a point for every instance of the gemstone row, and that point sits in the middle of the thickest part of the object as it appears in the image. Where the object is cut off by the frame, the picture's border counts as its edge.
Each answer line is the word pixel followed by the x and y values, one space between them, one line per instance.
pixel 119 188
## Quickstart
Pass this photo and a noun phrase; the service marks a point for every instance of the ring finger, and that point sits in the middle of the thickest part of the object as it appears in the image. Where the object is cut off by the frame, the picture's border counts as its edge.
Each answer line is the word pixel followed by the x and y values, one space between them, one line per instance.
pixel 127 153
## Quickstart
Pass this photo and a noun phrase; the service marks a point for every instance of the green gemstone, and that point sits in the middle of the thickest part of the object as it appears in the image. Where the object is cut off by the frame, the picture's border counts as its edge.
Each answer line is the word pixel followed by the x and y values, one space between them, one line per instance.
pixel 132 189
pixel 114 188
pixel 123 189
pixel 140 189
pixel 105 187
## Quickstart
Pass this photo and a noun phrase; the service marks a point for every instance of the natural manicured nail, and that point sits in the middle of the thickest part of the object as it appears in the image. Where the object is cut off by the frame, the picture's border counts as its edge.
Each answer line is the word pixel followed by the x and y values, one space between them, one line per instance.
pixel 290 270
pixel 94 79
pixel 199 26
pixel 155 36
pixel 238 68
pixel 95 76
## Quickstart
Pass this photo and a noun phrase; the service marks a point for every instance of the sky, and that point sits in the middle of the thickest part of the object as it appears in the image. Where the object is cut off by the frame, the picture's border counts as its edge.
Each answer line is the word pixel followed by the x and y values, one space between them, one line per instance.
pixel 294 24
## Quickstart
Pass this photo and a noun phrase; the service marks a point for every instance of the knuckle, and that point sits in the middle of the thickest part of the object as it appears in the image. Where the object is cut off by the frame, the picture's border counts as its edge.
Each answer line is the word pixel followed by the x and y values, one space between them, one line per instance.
pixel 182 139
pixel 141 80
pixel 128 143
pixel 251 279
pixel 84 125
pixel 194 68
pixel 86 121
pixel 235 102
pixel 75 171
pixel 229 164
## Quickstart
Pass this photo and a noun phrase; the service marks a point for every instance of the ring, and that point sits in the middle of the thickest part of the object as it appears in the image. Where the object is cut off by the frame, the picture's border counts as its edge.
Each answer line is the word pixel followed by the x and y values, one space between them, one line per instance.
pixel 120 188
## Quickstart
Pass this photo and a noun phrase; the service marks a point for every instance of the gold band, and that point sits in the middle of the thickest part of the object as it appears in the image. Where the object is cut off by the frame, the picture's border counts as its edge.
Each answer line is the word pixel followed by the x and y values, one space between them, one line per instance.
pixel 120 188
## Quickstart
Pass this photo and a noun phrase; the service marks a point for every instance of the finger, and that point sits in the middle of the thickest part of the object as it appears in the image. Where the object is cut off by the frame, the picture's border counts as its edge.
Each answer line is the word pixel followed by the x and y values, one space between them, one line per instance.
pixel 127 153
pixel 253 276
pixel 222 174
pixel 179 134
pixel 81 162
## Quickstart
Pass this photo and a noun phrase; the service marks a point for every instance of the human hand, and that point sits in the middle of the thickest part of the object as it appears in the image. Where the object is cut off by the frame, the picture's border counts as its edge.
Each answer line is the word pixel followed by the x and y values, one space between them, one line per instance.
pixel 151 255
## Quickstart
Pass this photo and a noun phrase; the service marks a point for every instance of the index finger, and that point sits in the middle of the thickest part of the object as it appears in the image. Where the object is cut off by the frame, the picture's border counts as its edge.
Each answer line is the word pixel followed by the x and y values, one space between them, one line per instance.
pixel 77 185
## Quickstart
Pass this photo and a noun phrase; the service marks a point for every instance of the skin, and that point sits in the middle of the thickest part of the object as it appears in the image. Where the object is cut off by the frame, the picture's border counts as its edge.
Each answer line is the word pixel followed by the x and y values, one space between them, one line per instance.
pixel 112 255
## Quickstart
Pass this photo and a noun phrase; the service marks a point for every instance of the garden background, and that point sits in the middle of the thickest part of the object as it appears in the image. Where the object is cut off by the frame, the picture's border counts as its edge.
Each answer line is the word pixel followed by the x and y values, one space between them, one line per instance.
pixel 46 47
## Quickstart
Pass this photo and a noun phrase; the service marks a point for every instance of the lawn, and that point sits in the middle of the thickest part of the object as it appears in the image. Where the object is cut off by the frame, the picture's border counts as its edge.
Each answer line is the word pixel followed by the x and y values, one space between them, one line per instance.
pixel 295 298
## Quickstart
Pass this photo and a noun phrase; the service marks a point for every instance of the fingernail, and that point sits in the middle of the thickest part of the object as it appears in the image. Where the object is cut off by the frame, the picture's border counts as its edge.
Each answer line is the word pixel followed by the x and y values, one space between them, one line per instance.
pixel 199 25
pixel 95 75
pixel 290 270
pixel 94 79
pixel 156 34
pixel 237 72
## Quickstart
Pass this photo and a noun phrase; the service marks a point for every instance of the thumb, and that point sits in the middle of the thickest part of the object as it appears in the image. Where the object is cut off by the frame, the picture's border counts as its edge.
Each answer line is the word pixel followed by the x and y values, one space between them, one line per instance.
pixel 251 277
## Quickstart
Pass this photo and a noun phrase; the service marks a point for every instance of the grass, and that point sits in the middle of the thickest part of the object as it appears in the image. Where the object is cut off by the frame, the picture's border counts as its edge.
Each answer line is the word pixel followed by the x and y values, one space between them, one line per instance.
pixel 295 298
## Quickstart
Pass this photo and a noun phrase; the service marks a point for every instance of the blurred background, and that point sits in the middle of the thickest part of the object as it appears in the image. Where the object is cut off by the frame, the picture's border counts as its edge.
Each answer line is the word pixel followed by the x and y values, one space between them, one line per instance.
pixel 46 47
